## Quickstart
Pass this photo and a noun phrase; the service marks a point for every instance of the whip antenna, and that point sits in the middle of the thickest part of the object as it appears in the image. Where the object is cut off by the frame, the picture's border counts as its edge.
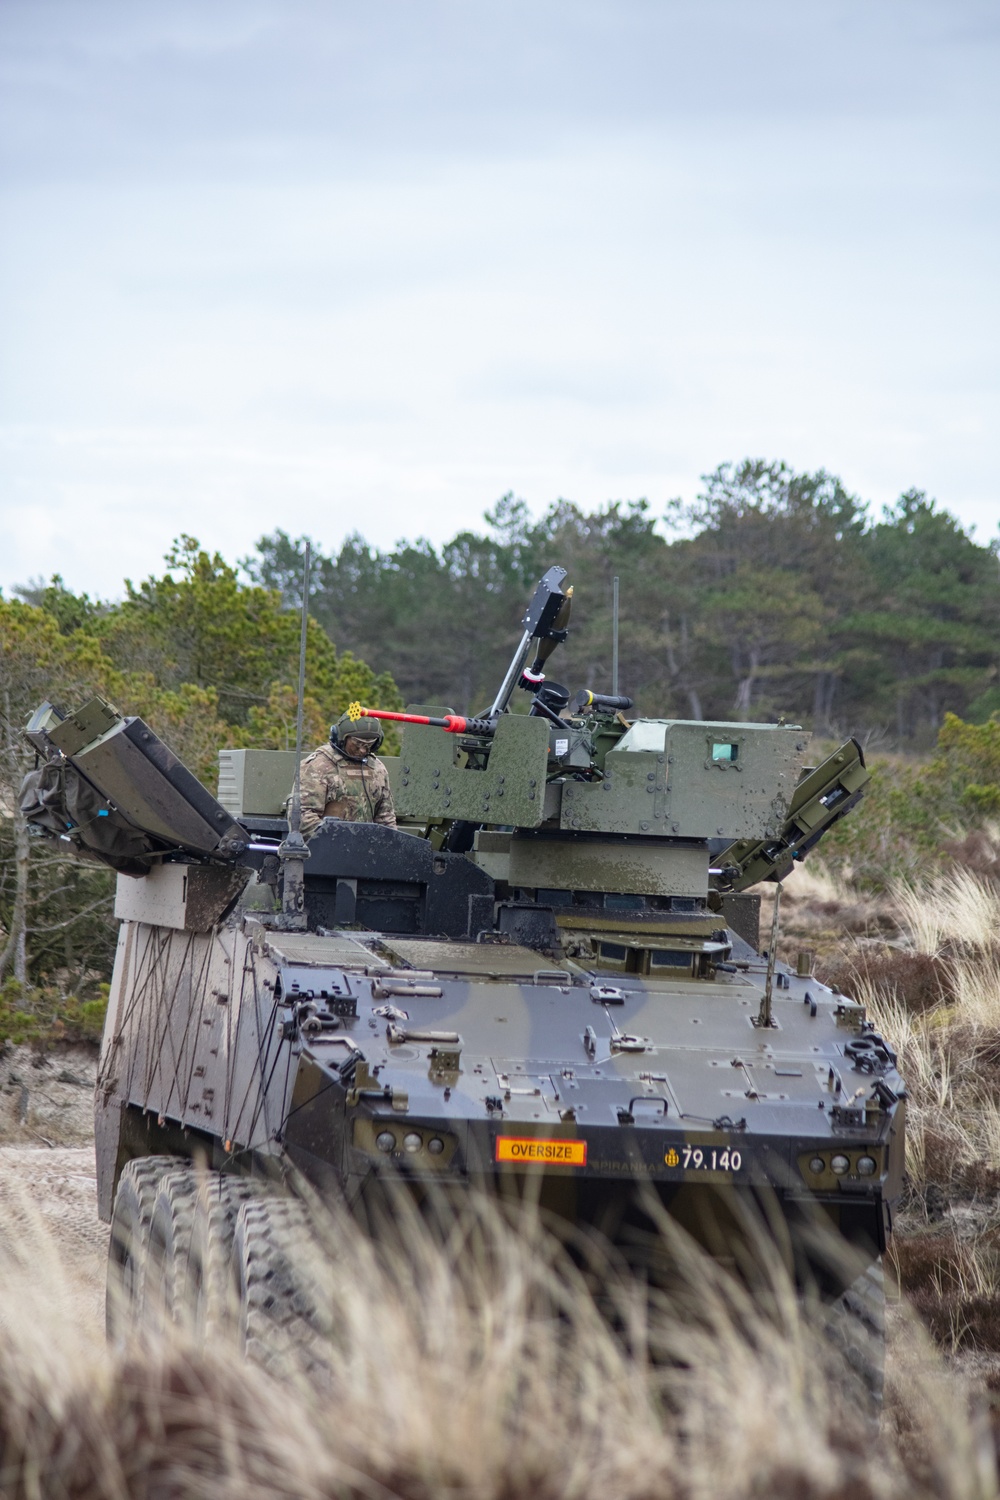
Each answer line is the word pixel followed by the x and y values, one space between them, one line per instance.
pixel 293 851
pixel 614 639
pixel 765 1016
pixel 295 819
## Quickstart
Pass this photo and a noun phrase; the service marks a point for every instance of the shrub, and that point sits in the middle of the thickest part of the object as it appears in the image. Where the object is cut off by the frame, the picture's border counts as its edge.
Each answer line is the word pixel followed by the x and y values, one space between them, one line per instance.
pixel 966 767
pixel 42 1014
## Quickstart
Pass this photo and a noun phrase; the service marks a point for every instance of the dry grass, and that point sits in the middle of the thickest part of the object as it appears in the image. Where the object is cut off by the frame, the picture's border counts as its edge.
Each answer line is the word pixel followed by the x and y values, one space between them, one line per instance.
pixel 977 991
pixel 953 1280
pixel 478 1367
pixel 949 1057
pixel 819 906
pixel 977 849
pixel 928 971
pixel 815 884
pixel 934 991
pixel 958 912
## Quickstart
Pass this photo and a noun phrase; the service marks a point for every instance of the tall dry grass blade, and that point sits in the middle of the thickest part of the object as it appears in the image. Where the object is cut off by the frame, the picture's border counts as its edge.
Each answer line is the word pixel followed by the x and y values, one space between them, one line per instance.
pixel 477 1361
pixel 977 992
pixel 815 881
pixel 960 909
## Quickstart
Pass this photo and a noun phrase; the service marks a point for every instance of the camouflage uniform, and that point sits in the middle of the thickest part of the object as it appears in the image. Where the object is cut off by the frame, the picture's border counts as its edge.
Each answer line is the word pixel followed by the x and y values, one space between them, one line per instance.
pixel 334 786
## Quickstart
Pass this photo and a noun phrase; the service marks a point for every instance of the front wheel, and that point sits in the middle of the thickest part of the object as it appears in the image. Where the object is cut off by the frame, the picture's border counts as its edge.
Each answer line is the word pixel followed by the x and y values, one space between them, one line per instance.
pixel 211 1297
pixel 165 1292
pixel 135 1199
pixel 855 1324
pixel 283 1289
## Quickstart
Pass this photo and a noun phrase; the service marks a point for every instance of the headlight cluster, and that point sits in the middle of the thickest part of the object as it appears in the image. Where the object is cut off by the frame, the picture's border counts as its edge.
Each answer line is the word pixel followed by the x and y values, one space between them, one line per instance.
pixel 841 1164
pixel 411 1142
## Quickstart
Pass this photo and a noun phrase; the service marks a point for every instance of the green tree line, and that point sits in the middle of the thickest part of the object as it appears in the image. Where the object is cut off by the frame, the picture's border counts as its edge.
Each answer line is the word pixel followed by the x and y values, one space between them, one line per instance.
pixel 209 660
pixel 773 593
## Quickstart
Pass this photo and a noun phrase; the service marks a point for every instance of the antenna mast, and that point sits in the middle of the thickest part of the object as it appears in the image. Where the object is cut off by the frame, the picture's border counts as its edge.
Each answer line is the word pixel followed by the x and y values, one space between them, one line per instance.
pixel 293 850
pixel 765 1015
pixel 295 820
pixel 614 639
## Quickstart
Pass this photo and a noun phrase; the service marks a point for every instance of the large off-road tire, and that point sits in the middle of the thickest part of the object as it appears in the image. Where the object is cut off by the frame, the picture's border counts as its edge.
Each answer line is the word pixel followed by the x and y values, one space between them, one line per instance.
pixel 165 1298
pixel 211 1298
pixel 856 1326
pixel 284 1289
pixel 135 1199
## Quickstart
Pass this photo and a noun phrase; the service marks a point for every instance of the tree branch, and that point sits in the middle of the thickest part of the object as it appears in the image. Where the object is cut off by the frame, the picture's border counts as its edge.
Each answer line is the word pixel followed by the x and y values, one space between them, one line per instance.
pixel 58 926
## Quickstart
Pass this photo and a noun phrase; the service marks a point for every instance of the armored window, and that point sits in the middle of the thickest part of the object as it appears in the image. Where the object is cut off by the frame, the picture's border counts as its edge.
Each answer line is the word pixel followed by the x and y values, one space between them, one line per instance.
pixel 725 750
pixel 554 898
pixel 673 958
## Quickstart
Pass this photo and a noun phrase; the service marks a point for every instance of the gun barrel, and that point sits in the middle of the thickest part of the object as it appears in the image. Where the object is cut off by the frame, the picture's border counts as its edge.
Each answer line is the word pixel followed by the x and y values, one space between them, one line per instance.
pixel 450 723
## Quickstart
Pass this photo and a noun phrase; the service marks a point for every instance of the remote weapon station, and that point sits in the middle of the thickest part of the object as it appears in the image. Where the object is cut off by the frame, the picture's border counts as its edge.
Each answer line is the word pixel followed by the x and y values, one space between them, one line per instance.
pixel 547 980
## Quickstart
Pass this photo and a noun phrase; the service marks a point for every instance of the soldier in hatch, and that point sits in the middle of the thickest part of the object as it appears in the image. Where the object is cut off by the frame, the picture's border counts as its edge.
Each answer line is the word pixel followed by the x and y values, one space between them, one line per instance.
pixel 345 780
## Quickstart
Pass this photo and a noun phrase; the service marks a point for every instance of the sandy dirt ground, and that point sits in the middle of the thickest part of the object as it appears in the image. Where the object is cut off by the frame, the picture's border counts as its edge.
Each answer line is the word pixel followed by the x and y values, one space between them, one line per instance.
pixel 47 1098
pixel 54 1190
pixel 48 1186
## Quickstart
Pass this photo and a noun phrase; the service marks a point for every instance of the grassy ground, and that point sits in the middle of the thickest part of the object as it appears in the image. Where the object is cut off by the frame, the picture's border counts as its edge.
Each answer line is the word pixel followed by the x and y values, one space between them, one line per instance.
pixel 924 956
pixel 478 1366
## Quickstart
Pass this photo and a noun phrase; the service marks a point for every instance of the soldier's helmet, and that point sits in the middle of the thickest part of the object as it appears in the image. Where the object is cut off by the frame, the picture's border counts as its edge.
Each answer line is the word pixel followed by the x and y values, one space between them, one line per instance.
pixel 369 730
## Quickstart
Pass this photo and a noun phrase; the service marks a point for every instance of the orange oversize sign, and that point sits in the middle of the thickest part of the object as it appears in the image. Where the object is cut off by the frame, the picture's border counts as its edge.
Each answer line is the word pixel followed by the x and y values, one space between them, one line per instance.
pixel 533 1149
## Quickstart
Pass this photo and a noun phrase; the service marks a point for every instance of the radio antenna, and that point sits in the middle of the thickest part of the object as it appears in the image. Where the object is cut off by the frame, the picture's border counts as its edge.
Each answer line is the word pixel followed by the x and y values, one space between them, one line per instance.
pixel 765 1016
pixel 295 820
pixel 293 851
pixel 614 638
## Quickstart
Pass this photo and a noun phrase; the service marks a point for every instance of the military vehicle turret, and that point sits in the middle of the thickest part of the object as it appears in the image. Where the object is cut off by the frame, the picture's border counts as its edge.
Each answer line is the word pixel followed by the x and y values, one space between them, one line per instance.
pixel 548 978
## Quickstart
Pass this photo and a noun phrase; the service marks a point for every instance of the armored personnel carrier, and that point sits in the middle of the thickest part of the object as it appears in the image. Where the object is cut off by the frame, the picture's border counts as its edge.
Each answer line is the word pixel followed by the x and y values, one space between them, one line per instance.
pixel 548 979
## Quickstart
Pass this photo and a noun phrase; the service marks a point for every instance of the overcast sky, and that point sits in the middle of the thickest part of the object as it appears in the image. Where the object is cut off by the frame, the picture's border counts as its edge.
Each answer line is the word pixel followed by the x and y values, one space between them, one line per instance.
pixel 368 265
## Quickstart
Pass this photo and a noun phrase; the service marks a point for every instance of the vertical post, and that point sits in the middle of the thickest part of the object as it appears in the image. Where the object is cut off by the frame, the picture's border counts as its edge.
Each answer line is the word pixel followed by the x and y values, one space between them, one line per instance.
pixel 15 950
pixel 614 638
pixel 764 1017
pixel 295 812
pixel 293 850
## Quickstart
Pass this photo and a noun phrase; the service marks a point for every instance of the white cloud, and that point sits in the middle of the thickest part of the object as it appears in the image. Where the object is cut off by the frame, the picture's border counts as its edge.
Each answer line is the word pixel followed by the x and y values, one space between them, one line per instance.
pixel 327 268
